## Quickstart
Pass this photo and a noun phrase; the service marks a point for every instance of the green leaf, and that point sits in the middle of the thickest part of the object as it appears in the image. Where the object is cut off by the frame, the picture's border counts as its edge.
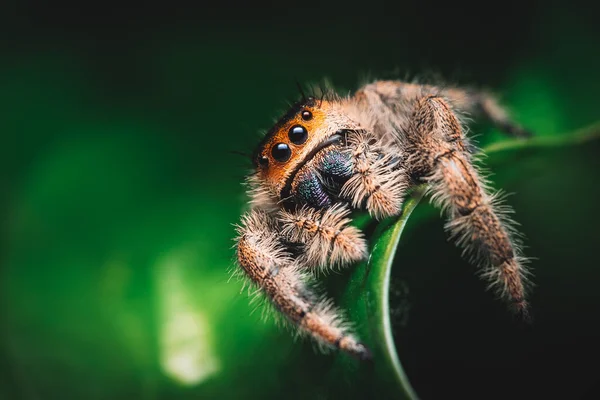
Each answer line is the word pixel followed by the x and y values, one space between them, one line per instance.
pixel 376 303
pixel 367 295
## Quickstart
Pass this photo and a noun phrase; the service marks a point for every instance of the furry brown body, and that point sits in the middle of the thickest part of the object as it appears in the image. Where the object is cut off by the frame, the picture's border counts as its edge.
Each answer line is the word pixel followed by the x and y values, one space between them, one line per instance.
pixel 326 157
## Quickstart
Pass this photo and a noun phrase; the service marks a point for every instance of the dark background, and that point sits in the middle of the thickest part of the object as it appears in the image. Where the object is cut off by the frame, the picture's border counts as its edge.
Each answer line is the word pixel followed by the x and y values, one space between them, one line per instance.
pixel 119 191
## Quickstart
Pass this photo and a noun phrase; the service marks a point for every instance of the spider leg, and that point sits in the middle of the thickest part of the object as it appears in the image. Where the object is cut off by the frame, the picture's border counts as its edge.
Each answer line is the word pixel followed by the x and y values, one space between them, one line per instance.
pixel 389 99
pixel 378 183
pixel 266 262
pixel 328 238
pixel 438 155
pixel 486 104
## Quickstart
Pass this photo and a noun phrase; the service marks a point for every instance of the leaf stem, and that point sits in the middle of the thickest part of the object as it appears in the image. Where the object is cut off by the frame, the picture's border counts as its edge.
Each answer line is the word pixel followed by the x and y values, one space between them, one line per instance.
pixel 381 303
pixel 579 136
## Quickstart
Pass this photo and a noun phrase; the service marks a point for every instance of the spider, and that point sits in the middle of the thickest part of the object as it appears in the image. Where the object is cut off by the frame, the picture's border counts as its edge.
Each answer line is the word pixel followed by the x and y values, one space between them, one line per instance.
pixel 331 155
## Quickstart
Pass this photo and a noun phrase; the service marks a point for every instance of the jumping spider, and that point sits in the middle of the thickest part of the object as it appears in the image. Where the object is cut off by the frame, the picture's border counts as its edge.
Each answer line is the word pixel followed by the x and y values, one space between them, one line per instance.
pixel 327 156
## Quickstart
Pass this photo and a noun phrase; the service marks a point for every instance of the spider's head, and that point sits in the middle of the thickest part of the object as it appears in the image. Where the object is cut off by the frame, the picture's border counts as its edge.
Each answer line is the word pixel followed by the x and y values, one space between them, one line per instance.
pixel 309 129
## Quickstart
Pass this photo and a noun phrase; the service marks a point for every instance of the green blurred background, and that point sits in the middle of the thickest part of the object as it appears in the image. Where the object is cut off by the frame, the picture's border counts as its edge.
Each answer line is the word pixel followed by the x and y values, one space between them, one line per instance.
pixel 119 191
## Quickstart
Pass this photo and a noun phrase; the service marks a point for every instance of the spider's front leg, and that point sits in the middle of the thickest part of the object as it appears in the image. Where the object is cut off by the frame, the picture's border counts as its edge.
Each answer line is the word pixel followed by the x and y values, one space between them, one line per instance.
pixel 327 238
pixel 268 263
pixel 438 155
pixel 378 182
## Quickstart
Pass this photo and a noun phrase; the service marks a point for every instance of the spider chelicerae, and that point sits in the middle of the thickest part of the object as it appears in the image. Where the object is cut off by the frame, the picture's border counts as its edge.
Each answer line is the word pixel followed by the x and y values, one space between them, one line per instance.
pixel 329 155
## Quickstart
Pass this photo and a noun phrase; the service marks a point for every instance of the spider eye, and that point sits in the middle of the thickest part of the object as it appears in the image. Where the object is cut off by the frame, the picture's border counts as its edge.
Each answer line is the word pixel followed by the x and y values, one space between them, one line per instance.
pixel 263 161
pixel 281 152
pixel 298 134
pixel 306 115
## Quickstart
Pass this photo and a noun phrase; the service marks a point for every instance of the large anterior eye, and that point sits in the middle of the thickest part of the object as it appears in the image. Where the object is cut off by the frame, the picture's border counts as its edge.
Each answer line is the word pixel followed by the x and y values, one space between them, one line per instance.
pixel 298 134
pixel 281 152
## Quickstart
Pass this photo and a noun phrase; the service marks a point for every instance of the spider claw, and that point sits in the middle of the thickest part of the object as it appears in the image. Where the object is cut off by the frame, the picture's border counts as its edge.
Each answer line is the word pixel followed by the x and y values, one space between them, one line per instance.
pixel 365 354
pixel 357 350
pixel 522 312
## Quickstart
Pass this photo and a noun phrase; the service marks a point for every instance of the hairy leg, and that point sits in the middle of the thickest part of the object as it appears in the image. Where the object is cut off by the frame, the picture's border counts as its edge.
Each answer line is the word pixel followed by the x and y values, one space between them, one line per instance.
pixel 486 104
pixel 423 122
pixel 267 263
pixel 378 182
pixel 438 155
pixel 390 100
pixel 327 237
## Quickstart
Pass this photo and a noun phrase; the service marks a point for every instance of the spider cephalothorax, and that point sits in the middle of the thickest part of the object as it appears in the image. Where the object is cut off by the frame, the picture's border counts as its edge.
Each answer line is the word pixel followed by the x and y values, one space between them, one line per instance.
pixel 327 156
pixel 304 147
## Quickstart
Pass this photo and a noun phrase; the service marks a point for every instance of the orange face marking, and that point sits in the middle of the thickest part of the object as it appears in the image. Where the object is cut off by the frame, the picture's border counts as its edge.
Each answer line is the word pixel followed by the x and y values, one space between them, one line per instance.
pixel 276 172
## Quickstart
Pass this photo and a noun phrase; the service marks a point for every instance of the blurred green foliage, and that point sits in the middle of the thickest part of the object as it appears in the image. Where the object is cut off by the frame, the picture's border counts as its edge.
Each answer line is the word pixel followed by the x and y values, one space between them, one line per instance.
pixel 120 191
